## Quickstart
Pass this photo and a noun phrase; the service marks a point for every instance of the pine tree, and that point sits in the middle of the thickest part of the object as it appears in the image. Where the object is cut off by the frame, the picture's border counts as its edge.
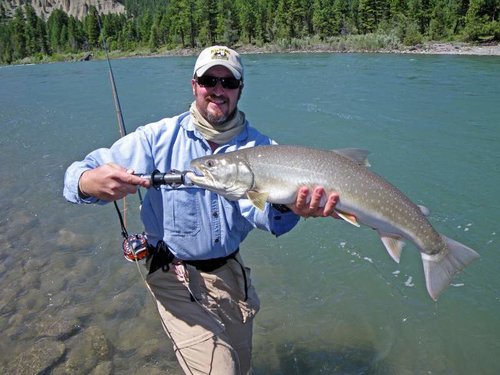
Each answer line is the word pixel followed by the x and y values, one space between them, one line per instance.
pixel 329 16
pixel 367 16
pixel 92 29
pixel 227 27
pixel 18 35
pixel 206 19
pixel 6 48
pixel 32 39
pixel 481 20
pixel 155 39
pixel 247 11
pixel 76 36
pixel 41 32
pixel 58 20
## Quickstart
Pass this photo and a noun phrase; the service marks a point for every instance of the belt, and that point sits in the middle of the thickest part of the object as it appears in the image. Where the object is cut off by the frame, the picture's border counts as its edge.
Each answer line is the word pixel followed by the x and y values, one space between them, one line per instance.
pixel 210 265
pixel 161 257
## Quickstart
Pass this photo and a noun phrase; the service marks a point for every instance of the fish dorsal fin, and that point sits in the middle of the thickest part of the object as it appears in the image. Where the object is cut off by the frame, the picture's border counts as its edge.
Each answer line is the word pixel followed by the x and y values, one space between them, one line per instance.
pixel 425 211
pixel 351 219
pixel 357 155
pixel 258 199
pixel 393 244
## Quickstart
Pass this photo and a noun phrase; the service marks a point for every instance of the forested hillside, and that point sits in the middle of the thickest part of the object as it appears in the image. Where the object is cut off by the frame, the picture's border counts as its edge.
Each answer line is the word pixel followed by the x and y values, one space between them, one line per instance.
pixel 167 24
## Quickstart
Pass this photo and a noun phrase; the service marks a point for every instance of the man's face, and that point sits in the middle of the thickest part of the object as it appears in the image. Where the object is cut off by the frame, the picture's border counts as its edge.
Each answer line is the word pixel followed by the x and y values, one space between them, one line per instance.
pixel 216 104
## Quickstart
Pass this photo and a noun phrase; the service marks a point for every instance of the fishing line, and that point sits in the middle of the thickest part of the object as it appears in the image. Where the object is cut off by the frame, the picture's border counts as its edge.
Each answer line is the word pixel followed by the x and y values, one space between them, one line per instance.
pixel 123 132
pixel 131 240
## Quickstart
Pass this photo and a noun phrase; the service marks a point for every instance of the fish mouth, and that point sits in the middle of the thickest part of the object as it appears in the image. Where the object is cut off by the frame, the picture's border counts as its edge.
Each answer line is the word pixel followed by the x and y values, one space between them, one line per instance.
pixel 198 175
pixel 197 171
pixel 197 168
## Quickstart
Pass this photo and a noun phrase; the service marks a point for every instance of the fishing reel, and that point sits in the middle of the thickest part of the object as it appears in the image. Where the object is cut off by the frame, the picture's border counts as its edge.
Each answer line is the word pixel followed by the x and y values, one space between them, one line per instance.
pixel 135 247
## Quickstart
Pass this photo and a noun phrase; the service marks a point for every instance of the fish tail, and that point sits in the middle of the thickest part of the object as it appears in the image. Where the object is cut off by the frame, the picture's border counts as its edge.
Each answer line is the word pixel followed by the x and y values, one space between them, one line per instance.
pixel 440 268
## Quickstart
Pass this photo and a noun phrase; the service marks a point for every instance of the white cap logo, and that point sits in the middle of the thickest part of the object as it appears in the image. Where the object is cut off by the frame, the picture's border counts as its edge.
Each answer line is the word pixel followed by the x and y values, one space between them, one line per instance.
pixel 219 55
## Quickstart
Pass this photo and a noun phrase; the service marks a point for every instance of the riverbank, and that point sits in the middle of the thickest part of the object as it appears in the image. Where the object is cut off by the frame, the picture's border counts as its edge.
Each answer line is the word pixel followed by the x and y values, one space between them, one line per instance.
pixel 429 48
pixel 457 48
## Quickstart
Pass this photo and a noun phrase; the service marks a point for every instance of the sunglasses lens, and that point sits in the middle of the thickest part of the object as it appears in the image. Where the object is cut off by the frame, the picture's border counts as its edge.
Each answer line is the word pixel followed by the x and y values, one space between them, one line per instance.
pixel 227 83
pixel 207 81
pixel 230 83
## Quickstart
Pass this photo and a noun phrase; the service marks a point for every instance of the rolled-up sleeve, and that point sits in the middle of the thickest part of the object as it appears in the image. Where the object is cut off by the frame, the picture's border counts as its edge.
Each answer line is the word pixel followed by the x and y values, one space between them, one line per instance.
pixel 132 151
pixel 75 170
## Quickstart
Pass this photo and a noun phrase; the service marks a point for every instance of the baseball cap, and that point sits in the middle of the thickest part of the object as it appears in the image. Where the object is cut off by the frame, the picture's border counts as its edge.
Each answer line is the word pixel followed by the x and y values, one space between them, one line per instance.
pixel 219 55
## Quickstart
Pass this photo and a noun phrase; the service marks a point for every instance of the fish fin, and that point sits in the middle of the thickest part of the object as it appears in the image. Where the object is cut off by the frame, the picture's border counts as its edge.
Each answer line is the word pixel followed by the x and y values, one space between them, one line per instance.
pixel 440 268
pixel 351 219
pixel 258 199
pixel 356 155
pixel 393 244
pixel 425 211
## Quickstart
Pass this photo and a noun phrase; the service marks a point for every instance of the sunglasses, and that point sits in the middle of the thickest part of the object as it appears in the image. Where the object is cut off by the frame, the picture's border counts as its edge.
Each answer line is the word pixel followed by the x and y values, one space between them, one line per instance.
pixel 226 82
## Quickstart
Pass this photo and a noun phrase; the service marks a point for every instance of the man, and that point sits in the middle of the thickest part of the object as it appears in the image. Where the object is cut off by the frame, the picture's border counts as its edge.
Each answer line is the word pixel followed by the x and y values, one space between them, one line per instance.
pixel 203 290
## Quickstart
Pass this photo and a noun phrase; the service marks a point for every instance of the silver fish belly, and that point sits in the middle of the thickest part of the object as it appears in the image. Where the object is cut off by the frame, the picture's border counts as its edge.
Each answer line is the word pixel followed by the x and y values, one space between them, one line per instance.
pixel 275 173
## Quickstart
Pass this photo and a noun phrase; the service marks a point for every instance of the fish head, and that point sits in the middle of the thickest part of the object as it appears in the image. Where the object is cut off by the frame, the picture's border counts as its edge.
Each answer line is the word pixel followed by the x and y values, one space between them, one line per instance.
pixel 225 174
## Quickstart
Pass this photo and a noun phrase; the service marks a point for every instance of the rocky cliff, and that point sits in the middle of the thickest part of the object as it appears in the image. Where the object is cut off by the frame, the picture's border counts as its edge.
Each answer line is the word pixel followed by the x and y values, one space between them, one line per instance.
pixel 76 8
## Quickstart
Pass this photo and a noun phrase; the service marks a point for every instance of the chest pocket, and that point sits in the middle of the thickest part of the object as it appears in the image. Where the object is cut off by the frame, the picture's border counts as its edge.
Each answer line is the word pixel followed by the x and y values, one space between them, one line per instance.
pixel 181 208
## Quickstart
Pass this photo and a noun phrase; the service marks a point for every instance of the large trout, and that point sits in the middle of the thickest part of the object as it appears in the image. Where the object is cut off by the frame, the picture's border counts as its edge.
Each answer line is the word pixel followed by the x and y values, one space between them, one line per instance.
pixel 275 173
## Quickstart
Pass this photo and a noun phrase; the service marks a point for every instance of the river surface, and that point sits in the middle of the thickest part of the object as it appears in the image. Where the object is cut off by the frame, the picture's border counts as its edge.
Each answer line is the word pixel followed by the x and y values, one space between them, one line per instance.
pixel 333 301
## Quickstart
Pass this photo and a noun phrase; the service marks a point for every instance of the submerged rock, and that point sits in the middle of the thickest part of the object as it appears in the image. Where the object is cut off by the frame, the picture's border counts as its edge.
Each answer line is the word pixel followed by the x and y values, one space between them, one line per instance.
pixel 38 359
pixel 88 349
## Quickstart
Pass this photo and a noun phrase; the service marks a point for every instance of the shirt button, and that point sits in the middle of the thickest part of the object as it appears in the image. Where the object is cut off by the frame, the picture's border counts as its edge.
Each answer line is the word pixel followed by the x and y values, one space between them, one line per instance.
pixel 215 214
pixel 217 240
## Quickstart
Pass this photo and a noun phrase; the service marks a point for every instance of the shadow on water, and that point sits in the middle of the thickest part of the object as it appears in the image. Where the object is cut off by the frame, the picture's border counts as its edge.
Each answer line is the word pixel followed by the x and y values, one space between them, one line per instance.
pixel 302 360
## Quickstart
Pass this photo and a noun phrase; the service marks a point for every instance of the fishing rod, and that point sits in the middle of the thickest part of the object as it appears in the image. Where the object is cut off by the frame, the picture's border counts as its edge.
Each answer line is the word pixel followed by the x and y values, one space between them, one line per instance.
pixel 135 246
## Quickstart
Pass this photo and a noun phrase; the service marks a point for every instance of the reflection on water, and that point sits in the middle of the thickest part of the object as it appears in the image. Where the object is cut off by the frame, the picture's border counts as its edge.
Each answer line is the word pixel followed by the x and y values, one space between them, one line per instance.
pixel 301 359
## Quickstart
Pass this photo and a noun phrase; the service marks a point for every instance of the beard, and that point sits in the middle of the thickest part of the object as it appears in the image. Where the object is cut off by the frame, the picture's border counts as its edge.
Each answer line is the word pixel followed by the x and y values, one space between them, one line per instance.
pixel 215 116
pixel 218 117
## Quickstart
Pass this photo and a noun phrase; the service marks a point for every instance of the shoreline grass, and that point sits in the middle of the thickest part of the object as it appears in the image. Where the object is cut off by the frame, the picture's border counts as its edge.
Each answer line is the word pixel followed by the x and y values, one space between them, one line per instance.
pixel 368 43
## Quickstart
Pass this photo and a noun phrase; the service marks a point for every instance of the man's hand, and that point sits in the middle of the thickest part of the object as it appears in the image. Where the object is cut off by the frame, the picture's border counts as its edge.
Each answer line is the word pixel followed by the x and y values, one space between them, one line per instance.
pixel 110 182
pixel 312 208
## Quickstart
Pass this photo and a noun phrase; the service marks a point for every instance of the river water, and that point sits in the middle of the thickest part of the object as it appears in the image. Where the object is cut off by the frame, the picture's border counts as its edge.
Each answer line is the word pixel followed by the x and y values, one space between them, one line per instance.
pixel 333 301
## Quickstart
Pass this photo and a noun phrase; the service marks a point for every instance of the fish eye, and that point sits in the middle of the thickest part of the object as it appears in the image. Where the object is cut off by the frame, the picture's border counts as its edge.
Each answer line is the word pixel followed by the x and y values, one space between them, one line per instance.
pixel 210 163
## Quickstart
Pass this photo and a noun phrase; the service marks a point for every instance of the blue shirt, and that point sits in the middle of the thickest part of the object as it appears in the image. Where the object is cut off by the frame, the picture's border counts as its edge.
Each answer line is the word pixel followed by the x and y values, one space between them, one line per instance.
pixel 195 223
